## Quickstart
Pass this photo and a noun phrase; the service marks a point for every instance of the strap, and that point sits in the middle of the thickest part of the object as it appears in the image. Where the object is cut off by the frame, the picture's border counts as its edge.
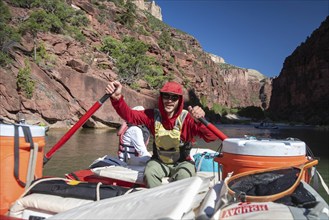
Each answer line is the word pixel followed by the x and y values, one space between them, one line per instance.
pixel 162 166
pixel 16 156
pixel 324 185
pixel 200 162
pixel 125 154
pixel 28 139
pixel 124 150
pixel 32 165
pixel 146 134
pixel 180 119
pixel 74 176
pixel 28 136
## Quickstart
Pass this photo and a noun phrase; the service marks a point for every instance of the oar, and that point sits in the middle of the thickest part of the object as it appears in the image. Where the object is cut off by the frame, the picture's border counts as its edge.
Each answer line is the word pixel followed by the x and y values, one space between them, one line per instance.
pixel 212 127
pixel 81 121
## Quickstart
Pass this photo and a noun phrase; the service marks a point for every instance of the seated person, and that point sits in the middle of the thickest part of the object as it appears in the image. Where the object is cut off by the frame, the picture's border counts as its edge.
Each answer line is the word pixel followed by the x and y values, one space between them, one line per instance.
pixel 133 143
pixel 173 129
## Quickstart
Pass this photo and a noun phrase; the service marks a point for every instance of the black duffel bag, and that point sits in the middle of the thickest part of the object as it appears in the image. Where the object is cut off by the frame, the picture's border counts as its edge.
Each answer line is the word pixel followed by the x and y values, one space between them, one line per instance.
pixel 76 189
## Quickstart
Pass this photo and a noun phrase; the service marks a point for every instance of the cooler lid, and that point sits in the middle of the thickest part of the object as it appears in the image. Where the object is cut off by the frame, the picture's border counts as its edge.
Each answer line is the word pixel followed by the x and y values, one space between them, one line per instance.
pixel 7 130
pixel 264 147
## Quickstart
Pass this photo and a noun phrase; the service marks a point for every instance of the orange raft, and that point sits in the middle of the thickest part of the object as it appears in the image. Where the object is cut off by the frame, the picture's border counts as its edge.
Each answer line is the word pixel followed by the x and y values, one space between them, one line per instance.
pixel 29 161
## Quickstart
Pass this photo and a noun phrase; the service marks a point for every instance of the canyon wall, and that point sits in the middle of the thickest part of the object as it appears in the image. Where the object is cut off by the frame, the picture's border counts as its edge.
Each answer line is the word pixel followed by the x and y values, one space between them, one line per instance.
pixel 301 92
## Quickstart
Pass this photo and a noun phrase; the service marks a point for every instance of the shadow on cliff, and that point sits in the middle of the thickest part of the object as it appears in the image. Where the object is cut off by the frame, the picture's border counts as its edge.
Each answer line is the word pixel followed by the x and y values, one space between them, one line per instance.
pixel 193 100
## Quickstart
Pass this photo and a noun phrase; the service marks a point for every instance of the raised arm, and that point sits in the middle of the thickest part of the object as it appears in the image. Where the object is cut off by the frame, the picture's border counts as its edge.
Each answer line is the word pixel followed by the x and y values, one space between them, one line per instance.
pixel 121 107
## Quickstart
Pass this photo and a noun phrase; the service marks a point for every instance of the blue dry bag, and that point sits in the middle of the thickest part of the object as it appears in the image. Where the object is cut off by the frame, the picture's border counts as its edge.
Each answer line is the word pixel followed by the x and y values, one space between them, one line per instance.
pixel 205 162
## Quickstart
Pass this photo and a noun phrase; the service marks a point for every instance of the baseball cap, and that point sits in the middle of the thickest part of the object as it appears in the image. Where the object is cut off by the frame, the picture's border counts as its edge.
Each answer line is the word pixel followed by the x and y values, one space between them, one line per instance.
pixel 172 87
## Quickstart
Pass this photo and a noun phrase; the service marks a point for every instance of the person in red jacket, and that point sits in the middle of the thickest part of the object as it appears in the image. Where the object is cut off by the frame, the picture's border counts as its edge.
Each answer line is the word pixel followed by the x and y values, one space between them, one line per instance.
pixel 173 129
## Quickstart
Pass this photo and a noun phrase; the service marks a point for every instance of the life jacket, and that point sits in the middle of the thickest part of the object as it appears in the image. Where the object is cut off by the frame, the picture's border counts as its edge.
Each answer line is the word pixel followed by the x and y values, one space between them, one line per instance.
pixel 168 146
pixel 124 149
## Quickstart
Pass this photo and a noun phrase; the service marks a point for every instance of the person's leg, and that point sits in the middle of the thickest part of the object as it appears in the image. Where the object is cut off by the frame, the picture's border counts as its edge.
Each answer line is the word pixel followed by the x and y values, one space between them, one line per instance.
pixel 154 172
pixel 183 170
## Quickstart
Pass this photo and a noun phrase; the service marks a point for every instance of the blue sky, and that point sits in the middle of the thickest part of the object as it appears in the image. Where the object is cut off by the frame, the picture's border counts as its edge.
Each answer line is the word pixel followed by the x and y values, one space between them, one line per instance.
pixel 254 34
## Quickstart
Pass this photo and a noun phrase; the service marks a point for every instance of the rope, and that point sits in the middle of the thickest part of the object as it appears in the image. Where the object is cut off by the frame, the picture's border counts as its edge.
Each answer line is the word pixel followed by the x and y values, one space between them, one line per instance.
pixel 98 190
pixel 39 181
pixel 132 189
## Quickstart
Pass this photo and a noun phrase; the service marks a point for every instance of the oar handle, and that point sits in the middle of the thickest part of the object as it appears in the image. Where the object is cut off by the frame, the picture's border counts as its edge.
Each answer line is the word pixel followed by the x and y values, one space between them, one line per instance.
pixel 211 127
pixel 104 98
pixel 81 121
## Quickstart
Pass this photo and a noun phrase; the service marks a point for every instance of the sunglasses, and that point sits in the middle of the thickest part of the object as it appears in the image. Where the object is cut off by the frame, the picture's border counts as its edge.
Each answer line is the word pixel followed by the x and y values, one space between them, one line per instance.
pixel 167 96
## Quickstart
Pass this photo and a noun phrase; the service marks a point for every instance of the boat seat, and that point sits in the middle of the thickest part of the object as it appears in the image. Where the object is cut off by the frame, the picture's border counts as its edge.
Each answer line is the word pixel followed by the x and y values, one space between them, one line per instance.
pixel 177 200
pixel 43 205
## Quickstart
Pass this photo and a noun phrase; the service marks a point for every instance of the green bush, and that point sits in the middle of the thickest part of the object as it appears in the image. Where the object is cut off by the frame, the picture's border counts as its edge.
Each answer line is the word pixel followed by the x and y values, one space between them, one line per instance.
pixel 43 58
pixel 155 77
pixel 219 109
pixel 129 56
pixel 154 23
pixel 40 21
pixel 226 66
pixel 54 16
pixel 129 16
pixel 4 59
pixel 22 3
pixel 8 35
pixel 116 2
pixel 24 81
pixel 165 40
pixel 4 13
pixel 132 63
pixel 203 101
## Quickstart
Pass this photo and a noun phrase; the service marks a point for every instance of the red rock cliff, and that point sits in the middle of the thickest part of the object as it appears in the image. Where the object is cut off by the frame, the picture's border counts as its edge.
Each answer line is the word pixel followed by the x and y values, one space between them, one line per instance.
pixel 67 86
pixel 301 91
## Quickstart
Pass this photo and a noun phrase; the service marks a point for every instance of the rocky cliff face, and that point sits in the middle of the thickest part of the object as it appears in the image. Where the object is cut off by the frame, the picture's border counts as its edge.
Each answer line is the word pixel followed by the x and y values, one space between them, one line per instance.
pixel 301 91
pixel 75 78
pixel 150 7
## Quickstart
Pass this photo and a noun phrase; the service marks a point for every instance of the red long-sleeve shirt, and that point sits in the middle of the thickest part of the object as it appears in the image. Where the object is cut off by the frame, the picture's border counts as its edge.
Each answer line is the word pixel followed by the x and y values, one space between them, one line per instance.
pixel 190 128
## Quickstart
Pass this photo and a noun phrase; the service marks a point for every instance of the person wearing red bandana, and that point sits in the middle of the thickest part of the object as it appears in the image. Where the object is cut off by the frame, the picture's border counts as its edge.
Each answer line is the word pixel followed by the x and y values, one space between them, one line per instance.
pixel 173 129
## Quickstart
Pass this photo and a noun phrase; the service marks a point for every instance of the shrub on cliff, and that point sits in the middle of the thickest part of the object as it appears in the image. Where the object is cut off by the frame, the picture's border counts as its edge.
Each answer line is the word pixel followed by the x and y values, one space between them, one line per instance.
pixel 24 81
pixel 56 17
pixel 132 62
pixel 8 35
pixel 129 16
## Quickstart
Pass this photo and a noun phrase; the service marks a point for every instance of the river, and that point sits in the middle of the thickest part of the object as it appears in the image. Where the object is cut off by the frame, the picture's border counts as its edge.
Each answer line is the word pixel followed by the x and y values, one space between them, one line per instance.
pixel 86 145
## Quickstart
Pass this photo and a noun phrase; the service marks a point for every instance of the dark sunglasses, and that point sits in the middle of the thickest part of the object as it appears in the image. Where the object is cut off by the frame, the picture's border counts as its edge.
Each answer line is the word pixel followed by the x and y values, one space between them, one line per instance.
pixel 167 96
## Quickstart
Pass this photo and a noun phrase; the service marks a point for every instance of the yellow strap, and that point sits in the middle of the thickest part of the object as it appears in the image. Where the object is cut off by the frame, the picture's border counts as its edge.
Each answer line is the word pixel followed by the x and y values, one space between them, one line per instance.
pixel 73 182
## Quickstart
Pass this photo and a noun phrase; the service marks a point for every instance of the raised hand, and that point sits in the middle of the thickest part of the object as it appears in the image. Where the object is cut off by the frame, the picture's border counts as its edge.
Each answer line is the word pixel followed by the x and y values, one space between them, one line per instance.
pixel 114 88
pixel 196 112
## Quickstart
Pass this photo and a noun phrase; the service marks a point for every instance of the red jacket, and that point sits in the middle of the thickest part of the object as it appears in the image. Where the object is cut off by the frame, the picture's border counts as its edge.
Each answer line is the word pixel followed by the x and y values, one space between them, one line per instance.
pixel 190 128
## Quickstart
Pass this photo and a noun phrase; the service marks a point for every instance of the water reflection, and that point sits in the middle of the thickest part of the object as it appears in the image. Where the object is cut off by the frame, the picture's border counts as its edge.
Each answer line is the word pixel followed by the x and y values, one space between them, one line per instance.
pixel 80 150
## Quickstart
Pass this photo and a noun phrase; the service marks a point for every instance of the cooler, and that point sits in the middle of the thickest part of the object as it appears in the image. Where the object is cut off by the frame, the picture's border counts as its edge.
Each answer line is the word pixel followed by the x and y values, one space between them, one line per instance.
pixel 246 154
pixel 10 188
